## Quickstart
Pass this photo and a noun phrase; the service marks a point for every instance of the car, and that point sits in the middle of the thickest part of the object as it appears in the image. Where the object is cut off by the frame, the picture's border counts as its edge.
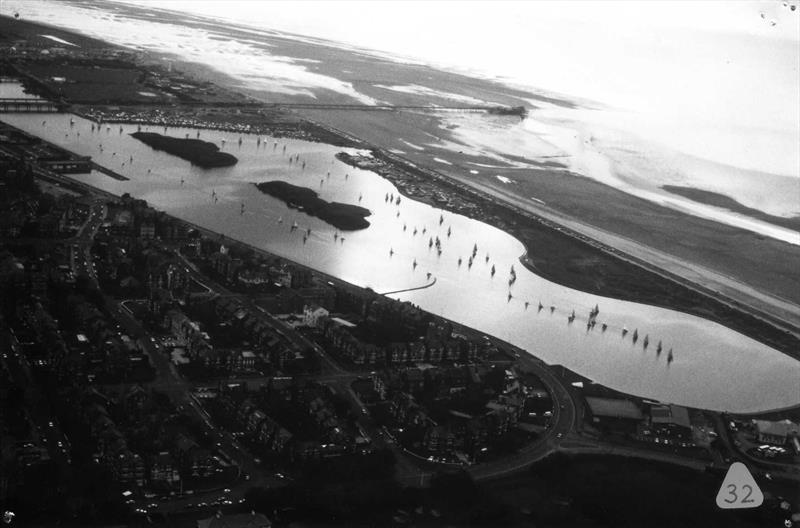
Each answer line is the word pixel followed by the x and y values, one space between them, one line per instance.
pixel 226 490
pixel 560 435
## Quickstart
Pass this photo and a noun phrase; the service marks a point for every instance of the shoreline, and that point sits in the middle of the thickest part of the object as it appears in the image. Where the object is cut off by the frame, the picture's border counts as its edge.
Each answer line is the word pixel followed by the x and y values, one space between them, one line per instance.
pixel 676 293
pixel 612 277
pixel 512 352
pixel 725 202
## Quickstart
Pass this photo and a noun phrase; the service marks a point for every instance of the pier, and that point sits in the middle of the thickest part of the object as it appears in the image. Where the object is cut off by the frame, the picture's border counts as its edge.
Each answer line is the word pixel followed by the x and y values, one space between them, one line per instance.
pixel 492 109
pixel 28 105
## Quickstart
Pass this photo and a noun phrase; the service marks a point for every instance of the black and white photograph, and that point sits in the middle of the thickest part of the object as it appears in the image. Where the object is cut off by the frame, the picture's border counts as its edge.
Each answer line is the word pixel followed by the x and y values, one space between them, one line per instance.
pixel 400 263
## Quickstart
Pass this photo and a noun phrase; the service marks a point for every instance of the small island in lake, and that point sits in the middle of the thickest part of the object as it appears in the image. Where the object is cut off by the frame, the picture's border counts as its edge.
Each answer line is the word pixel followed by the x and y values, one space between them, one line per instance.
pixel 195 151
pixel 342 216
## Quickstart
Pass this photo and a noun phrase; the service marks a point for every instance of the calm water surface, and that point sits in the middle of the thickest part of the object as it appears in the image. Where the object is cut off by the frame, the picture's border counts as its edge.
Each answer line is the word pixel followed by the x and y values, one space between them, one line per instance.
pixel 714 367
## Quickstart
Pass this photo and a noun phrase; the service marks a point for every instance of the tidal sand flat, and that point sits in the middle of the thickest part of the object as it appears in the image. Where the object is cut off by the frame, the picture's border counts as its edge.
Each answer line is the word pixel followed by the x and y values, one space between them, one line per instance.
pixel 726 202
pixel 340 215
pixel 196 151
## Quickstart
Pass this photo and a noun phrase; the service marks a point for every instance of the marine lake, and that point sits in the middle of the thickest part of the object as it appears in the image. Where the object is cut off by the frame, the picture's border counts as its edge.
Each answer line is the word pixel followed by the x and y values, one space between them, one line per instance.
pixel 713 368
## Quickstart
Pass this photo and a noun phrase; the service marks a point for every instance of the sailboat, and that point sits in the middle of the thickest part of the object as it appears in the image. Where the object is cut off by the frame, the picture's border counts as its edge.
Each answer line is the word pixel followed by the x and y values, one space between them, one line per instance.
pixel 669 357
pixel 552 309
pixel 493 270
pixel 391 252
pixel 441 219
pixel 526 304
pixel 646 341
pixel 540 307
pixel 635 335
pixel 509 296
pixel 624 331
pixel 449 231
pixel 604 327
pixel 658 348
pixel 459 262
pixel 414 264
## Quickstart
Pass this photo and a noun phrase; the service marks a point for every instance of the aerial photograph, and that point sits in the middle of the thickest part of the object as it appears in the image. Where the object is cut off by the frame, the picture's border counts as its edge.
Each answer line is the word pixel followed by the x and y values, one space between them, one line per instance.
pixel 399 263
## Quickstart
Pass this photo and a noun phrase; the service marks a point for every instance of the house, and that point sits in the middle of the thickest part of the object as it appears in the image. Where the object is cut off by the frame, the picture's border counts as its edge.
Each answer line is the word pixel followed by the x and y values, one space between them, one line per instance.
pixel 313 315
pixel 776 433
pixel 164 469
pixel 128 467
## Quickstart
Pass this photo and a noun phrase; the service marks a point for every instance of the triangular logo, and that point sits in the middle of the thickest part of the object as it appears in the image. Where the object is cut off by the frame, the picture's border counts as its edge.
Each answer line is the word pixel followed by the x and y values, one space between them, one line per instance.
pixel 739 489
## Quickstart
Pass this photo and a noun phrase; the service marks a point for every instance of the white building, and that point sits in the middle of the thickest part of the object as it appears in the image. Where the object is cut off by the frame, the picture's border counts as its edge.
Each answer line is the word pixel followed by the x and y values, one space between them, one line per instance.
pixel 312 315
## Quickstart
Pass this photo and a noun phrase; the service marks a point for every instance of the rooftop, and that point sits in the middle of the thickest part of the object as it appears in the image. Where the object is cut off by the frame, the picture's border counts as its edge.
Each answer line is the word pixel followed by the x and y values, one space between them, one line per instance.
pixel 783 428
pixel 612 408
pixel 670 414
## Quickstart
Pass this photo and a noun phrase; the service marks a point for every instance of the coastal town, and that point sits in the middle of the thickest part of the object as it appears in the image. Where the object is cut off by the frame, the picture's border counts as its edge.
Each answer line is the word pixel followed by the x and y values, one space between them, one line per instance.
pixel 157 372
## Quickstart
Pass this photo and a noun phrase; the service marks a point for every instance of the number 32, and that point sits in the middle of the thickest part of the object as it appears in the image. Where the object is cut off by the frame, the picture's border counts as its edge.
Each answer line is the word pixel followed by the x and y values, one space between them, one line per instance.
pixel 735 498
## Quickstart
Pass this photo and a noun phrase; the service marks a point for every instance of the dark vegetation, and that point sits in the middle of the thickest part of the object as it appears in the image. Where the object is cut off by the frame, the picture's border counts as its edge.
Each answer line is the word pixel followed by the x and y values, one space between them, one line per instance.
pixel 565 490
pixel 562 490
pixel 726 202
pixel 342 216
pixel 198 152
